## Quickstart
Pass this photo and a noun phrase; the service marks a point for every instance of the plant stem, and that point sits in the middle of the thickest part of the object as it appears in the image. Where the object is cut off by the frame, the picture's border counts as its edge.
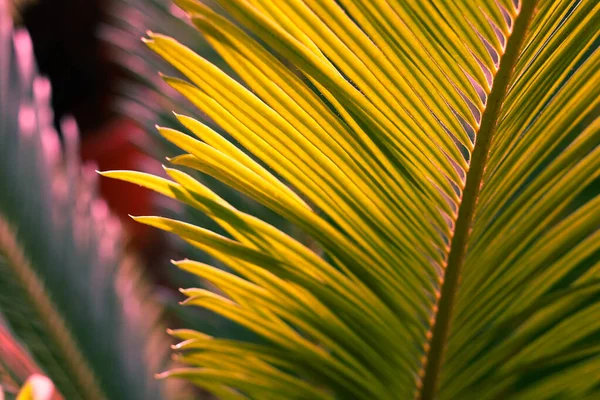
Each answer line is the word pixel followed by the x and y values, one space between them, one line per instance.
pixel 466 211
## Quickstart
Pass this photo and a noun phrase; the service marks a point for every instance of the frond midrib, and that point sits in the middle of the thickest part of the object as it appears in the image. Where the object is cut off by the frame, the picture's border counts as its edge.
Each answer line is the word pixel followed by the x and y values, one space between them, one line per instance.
pixel 47 314
pixel 466 211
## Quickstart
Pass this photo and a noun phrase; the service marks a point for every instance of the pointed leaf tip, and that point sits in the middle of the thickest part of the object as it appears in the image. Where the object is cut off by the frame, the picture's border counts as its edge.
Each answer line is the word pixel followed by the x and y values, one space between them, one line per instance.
pixel 187 301
pixel 161 375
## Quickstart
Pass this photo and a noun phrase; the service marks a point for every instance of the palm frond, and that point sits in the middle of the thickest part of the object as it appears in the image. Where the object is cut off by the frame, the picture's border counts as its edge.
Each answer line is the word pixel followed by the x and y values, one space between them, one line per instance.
pixel 150 100
pixel 449 155
pixel 146 98
pixel 68 289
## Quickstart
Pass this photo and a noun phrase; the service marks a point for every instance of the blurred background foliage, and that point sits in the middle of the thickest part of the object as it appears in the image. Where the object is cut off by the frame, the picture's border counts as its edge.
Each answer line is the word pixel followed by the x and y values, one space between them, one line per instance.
pixel 72 289
pixel 17 367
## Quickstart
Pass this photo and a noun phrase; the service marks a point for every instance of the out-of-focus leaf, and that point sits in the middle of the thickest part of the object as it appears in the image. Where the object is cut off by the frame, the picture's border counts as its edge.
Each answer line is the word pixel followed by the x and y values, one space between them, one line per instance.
pixel 68 288
pixel 16 365
pixel 37 387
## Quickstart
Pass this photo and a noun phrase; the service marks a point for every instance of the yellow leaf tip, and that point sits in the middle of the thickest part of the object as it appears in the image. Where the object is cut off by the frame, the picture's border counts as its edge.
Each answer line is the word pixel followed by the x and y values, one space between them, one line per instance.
pixel 105 173
pixel 162 130
pixel 187 302
pixel 171 171
pixel 161 375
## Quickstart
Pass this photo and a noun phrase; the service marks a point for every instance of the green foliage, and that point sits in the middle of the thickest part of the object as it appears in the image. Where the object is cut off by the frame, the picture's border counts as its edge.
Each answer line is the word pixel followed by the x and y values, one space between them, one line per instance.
pixel 449 152
pixel 68 289
pixel 147 99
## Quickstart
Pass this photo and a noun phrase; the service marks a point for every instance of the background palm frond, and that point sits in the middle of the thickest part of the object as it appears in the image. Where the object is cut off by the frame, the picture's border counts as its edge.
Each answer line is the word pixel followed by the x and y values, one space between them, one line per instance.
pixel 68 288
pixel 449 155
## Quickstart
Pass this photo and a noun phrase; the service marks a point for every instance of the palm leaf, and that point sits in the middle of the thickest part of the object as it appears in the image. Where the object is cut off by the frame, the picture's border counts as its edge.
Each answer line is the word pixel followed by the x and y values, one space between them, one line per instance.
pixel 68 288
pixel 449 151
pixel 148 100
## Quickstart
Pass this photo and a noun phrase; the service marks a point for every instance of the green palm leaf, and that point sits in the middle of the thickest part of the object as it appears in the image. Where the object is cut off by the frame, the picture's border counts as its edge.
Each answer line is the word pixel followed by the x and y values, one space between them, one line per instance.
pixel 68 288
pixel 146 98
pixel 449 151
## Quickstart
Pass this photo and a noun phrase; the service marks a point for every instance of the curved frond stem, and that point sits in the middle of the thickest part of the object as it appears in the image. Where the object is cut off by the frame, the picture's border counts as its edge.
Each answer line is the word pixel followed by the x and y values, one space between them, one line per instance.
pixel 466 211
